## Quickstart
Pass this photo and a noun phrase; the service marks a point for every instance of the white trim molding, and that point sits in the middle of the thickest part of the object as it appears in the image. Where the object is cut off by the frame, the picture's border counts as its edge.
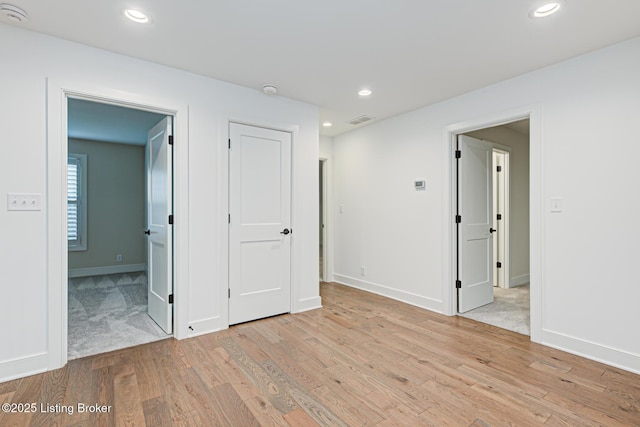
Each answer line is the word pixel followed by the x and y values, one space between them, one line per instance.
pixel 58 92
pixel 23 367
pixel 307 304
pixel 534 113
pixel 593 351
pixel 111 269
pixel 207 326
pixel 523 279
pixel 385 291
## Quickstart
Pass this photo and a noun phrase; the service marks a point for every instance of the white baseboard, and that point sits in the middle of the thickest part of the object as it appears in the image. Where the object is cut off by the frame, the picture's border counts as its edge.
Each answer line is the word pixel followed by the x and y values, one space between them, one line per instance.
pixel 23 367
pixel 407 297
pixel 519 280
pixel 206 326
pixel 308 304
pixel 112 269
pixel 590 350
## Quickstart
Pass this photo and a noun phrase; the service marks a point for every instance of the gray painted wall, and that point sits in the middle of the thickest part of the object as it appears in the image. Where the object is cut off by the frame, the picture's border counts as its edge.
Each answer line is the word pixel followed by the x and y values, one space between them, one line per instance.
pixel 115 204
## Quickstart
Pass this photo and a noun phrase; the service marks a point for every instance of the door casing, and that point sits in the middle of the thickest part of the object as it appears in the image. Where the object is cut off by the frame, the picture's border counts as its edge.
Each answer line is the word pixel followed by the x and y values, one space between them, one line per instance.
pixel 58 92
pixel 449 291
pixel 324 219
pixel 501 239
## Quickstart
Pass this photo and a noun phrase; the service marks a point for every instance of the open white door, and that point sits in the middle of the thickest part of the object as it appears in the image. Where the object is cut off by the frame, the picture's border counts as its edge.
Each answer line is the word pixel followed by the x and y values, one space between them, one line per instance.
pixel 475 207
pixel 159 158
pixel 259 223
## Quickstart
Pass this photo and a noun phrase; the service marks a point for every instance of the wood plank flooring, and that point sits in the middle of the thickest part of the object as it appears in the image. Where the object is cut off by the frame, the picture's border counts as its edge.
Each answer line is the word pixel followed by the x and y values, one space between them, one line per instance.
pixel 362 360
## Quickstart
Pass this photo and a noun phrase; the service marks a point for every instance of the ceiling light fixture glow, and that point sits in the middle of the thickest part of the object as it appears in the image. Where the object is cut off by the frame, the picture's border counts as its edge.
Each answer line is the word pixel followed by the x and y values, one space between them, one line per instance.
pixel 546 9
pixel 136 16
pixel 327 124
pixel 365 92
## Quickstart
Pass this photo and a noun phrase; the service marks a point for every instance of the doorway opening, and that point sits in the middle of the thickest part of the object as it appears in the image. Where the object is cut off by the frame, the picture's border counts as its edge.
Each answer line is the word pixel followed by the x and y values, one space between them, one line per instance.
pixel 322 213
pixel 117 179
pixel 493 245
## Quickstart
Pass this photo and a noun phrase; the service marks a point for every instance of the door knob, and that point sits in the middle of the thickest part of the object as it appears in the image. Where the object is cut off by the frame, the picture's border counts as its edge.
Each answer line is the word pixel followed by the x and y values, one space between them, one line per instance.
pixel 147 232
pixel 492 230
pixel 285 231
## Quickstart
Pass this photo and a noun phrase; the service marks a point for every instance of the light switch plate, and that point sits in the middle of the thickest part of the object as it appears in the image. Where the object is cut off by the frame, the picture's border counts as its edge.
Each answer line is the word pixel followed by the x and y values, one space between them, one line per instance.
pixel 24 202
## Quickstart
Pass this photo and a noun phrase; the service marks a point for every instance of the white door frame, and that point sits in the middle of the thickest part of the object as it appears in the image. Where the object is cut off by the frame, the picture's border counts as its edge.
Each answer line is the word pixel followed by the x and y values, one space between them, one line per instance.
pixel 505 236
pixel 222 321
pixel 449 291
pixel 327 200
pixel 325 218
pixel 58 93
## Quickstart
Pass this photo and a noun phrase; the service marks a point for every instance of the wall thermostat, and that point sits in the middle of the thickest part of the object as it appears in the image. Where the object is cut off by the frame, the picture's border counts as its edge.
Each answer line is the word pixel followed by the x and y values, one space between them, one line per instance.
pixel 421 185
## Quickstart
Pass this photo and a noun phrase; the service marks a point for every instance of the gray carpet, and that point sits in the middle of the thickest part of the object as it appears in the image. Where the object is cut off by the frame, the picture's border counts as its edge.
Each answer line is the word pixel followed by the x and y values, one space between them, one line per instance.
pixel 108 313
pixel 509 310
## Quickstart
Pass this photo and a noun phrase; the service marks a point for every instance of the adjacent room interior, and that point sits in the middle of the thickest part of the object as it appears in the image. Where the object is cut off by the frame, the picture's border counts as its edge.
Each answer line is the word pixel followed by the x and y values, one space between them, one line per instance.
pixel 107 217
pixel 510 308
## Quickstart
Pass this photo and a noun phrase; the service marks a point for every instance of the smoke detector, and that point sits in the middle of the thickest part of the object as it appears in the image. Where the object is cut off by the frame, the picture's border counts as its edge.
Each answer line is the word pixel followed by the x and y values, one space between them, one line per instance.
pixel 270 89
pixel 13 13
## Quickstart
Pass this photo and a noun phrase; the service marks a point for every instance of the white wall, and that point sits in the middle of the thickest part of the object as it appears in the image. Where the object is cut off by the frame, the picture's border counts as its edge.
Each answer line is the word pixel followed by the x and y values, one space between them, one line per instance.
pixel 518 197
pixel 30 118
pixel 584 149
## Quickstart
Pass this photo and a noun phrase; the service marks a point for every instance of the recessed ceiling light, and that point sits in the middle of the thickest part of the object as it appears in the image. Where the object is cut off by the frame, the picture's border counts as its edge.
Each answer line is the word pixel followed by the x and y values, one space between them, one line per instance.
pixel 327 124
pixel 365 92
pixel 136 16
pixel 545 9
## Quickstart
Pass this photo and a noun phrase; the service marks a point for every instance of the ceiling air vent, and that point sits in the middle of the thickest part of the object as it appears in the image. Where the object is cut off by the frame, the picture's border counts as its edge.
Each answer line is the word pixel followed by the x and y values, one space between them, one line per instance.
pixel 361 119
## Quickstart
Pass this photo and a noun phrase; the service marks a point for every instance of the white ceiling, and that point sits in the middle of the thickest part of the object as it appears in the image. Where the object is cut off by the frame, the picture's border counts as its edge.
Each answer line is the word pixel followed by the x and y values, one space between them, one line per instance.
pixel 411 53
pixel 109 123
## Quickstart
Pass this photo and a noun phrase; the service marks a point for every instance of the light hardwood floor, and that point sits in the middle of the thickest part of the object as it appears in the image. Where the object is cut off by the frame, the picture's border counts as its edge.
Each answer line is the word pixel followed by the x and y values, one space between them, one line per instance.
pixel 361 360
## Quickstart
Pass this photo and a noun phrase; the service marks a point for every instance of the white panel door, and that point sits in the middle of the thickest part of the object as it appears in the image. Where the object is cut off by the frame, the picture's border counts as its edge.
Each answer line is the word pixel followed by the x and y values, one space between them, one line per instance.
pixel 475 206
pixel 160 236
pixel 260 219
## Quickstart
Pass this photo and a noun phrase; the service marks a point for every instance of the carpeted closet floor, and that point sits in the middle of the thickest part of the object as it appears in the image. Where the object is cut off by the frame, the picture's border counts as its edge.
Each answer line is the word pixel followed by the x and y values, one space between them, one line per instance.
pixel 109 312
pixel 509 310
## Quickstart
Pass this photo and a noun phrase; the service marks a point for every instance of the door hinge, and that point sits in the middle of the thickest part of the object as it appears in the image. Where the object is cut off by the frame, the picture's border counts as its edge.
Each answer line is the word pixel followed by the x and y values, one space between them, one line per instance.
pixel 229 289
pixel 499 168
pixel 229 218
pixel 458 219
pixel 499 216
pixel 170 139
pixel 170 298
pixel 170 219
pixel 499 264
pixel 458 284
pixel 229 143
pixel 458 154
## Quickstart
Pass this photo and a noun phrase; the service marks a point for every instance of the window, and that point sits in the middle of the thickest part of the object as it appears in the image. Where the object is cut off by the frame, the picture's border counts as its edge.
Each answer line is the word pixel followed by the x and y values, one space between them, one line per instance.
pixel 77 202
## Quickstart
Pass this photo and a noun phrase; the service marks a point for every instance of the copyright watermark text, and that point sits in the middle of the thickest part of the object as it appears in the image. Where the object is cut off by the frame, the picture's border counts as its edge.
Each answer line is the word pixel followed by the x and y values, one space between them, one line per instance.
pixel 58 408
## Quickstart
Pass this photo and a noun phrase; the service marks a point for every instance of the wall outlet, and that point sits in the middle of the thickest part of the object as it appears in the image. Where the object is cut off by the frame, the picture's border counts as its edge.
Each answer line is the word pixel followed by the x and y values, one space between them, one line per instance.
pixel 119 258
pixel 363 271
pixel 557 205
